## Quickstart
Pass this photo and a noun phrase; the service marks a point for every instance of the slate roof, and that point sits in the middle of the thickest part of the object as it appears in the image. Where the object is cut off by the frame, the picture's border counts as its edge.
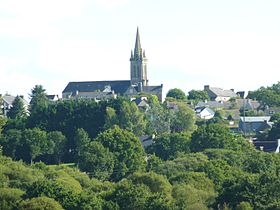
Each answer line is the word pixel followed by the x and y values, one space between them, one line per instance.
pixel 221 92
pixel 266 146
pixel 212 104
pixel 249 104
pixel 255 119
pixel 52 97
pixel 155 90
pixel 119 86
pixel 218 92
pixel 141 102
pixel 10 99
pixel 146 140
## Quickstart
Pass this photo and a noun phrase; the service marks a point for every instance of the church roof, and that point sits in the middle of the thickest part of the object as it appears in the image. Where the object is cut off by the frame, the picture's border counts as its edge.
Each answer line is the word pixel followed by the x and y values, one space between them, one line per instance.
pixel 154 90
pixel 119 86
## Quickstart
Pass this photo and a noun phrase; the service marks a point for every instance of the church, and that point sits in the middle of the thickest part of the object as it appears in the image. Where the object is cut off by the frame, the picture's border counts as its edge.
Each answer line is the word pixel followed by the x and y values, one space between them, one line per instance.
pixel 102 90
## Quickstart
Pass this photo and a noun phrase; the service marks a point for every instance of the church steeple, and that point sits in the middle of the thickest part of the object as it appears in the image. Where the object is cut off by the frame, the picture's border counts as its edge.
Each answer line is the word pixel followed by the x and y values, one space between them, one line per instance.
pixel 138 64
pixel 137 48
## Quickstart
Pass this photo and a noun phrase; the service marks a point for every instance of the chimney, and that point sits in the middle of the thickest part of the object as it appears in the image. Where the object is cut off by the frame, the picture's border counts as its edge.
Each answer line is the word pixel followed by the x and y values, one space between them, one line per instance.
pixel 232 89
pixel 140 87
pixel 206 87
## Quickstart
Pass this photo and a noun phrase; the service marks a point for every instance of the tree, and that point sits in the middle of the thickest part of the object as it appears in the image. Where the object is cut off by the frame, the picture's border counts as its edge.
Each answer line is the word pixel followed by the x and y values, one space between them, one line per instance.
pixel 275 117
pixel 156 183
pixel 244 206
pixel 68 198
pixel 183 163
pixel 177 94
pixel 274 133
pixel 97 161
pixel 268 96
pixel 38 107
pixel 38 98
pixel 3 121
pixel 57 141
pixel 17 111
pixel 198 95
pixel 10 198
pixel 183 119
pixel 213 136
pixel 126 116
pixel 36 142
pixel 111 118
pixel 10 142
pixel 128 196
pixel 40 203
pixel 197 182
pixel 167 146
pixel 188 197
pixel 82 141
pixel 128 152
pixel 158 119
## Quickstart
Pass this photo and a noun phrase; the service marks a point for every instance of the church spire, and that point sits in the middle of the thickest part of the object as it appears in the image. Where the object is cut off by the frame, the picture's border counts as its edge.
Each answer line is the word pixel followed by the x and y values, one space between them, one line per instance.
pixel 138 64
pixel 137 49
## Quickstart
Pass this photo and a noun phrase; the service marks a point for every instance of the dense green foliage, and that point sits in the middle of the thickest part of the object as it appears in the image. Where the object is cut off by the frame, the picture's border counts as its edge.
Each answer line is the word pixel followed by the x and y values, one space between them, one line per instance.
pixel 198 95
pixel 177 94
pixel 268 96
pixel 186 166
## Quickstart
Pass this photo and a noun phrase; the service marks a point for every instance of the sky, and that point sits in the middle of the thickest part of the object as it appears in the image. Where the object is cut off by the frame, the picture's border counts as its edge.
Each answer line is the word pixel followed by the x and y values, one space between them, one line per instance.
pixel 189 44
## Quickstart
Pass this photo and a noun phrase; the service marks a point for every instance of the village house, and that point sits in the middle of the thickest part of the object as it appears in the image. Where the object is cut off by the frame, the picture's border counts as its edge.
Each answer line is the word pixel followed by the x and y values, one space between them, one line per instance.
pixel 7 103
pixel 252 125
pixel 218 94
pixel 204 113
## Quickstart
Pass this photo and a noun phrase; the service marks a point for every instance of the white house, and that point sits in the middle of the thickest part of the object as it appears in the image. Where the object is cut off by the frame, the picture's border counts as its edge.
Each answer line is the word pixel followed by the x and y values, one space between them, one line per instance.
pixel 204 113
pixel 218 94
pixel 7 101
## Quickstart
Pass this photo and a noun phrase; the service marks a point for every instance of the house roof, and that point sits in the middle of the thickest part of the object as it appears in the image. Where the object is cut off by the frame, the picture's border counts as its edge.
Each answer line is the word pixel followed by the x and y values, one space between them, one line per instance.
pixel 52 97
pixel 210 111
pixel 154 90
pixel 266 146
pixel 213 104
pixel 255 119
pixel 9 99
pixel 223 93
pixel 119 86
pixel 141 102
pixel 249 104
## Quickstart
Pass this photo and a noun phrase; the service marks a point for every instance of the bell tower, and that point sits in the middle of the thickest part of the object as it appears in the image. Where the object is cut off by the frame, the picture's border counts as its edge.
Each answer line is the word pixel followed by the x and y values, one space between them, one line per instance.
pixel 138 64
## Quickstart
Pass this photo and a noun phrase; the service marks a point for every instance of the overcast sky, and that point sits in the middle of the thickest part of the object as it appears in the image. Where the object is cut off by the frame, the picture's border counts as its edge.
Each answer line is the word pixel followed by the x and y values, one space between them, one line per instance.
pixel 222 43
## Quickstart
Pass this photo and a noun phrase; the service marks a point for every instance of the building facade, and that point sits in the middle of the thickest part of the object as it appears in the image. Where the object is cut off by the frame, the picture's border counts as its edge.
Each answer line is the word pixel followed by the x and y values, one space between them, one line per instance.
pixel 138 82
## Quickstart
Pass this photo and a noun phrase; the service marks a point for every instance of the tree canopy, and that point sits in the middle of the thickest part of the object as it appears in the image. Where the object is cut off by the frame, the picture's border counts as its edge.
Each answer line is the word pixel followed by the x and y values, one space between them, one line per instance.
pixel 177 94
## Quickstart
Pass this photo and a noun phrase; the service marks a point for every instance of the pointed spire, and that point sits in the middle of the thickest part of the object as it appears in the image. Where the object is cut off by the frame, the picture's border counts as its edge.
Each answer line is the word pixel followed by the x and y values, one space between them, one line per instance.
pixel 131 54
pixel 137 49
